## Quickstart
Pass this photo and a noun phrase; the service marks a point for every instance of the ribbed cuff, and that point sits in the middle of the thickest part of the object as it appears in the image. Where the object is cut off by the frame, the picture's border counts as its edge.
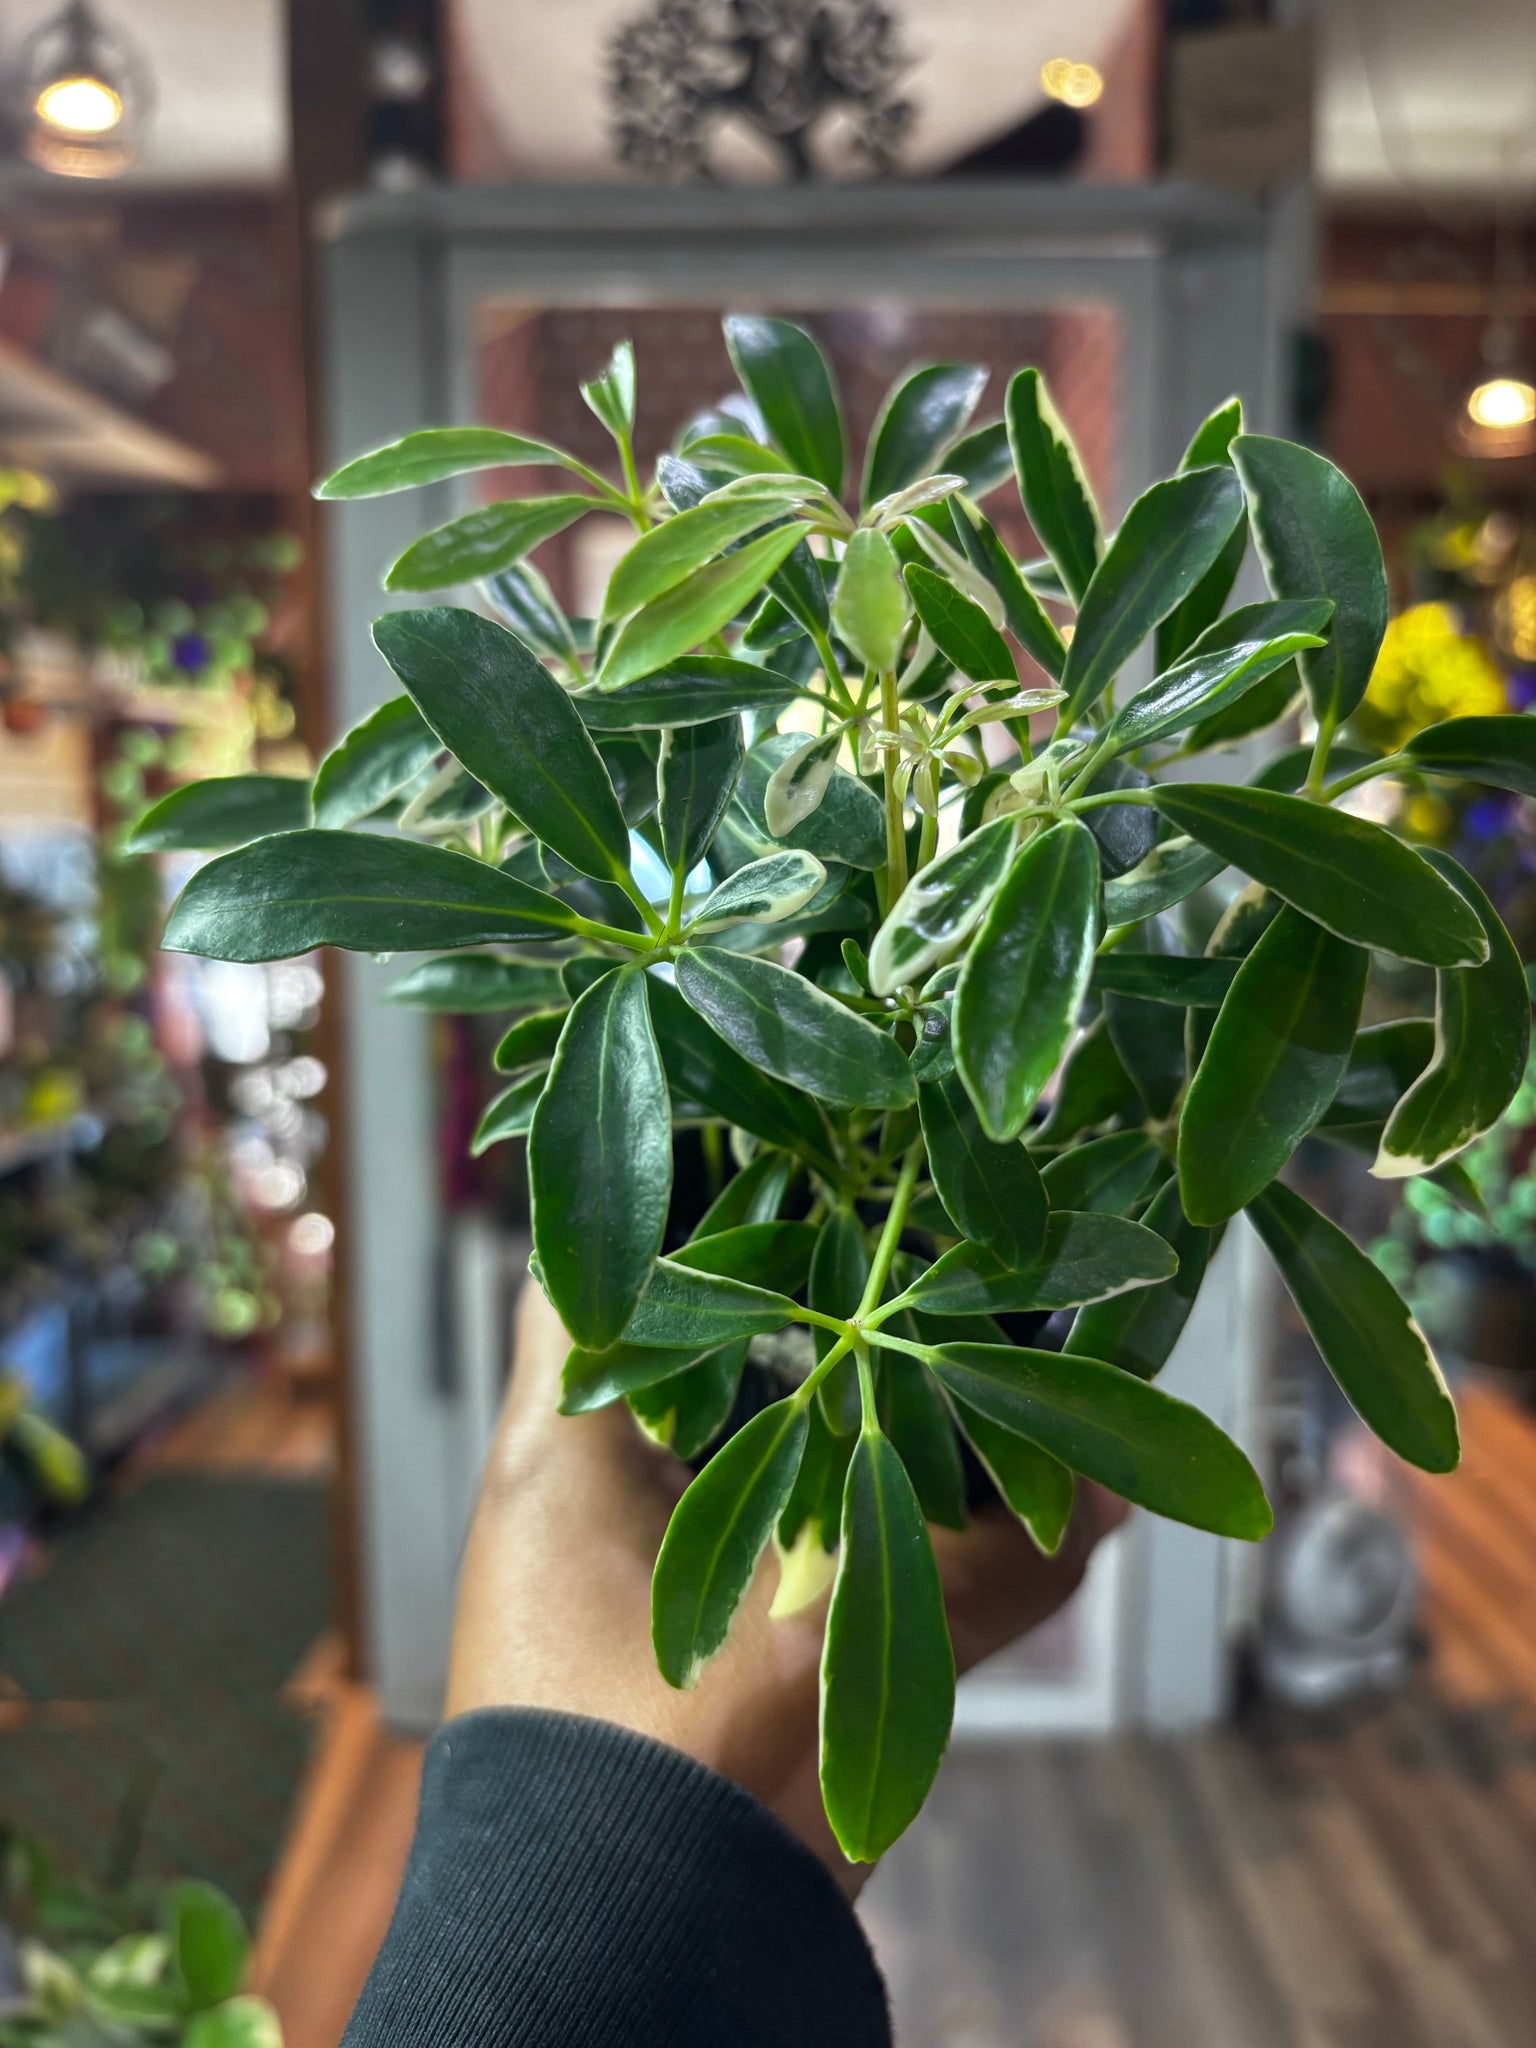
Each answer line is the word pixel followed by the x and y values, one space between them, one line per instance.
pixel 573 1885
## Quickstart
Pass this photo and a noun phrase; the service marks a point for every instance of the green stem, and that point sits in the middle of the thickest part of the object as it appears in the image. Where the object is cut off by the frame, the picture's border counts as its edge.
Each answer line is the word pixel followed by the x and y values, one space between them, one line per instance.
pixel 895 823
pixel 928 831
pixel 675 904
pixel 805 1392
pixel 869 1420
pixel 890 1233
pixel 611 935
pixel 654 924
pixel 1387 766
pixel 635 505
pixel 1313 786
pixel 1090 767
pixel 1108 796
pixel 836 684
pixel 923 1351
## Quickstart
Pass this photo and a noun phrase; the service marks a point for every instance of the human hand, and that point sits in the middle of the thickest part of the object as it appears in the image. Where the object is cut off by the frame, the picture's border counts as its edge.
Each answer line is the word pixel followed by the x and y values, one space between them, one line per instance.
pixel 554 1598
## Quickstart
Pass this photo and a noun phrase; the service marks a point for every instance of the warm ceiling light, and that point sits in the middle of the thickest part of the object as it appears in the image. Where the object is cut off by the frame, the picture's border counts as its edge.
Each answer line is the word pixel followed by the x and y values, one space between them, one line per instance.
pixel 1076 85
pixel 1502 403
pixel 80 95
pixel 80 106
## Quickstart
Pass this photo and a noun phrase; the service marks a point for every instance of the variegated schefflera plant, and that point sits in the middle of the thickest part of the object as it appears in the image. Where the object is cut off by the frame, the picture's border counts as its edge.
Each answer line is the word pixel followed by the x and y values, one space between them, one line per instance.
pixel 768 848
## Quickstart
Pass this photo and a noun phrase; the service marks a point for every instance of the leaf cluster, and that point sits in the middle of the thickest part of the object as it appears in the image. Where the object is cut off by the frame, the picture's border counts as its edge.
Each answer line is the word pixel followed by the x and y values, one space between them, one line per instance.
pixel 840 829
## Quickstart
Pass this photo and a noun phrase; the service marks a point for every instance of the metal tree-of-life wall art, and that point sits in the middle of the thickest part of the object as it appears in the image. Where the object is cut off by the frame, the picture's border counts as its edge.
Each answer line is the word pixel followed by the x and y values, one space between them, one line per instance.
pixel 684 68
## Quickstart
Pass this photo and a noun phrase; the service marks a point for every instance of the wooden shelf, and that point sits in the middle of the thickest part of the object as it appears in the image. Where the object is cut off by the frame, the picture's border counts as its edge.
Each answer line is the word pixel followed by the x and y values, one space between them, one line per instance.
pixel 50 423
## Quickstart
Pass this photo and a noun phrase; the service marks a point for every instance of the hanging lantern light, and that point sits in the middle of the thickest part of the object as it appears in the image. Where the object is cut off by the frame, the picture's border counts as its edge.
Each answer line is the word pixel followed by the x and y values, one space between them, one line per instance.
pixel 80 96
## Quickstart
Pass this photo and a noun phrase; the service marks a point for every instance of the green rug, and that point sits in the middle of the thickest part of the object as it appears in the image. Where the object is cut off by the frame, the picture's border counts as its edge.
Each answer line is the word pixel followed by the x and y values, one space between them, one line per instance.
pixel 172 1616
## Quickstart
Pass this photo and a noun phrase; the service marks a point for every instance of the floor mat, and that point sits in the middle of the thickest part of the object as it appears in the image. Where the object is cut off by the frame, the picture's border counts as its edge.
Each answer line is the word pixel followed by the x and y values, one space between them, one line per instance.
pixel 151 1655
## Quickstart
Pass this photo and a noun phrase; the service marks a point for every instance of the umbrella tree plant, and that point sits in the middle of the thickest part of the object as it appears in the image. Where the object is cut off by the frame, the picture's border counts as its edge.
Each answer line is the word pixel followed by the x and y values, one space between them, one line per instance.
pixel 782 843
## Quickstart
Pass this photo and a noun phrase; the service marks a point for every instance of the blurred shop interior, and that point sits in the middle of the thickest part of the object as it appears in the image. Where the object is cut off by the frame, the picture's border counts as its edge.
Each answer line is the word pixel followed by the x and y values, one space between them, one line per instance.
pixel 254 1296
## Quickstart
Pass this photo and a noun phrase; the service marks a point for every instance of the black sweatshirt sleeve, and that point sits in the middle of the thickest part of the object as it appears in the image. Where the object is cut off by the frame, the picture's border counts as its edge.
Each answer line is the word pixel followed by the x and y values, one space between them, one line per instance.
pixel 572 1885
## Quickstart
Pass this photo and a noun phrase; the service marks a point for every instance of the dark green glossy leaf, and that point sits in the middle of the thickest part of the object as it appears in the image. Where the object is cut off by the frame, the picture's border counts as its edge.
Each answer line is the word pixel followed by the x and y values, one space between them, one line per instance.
pixel 686 1411
pixel 1105 1175
pixel 718 1531
pixel 692 691
pixel 1137 1331
pixel 503 715
pixel 377 758
pixel 709 1078
pixel 839 1270
pixel 224 810
pixel 781 1023
pixel 508 1115
pixel 847 825
pixel 1315 539
pixel 815 1506
pixel 694 610
pixel 296 890
pixel 1211 443
pixel 600 1162
pixel 1482 1039
pixel 785 375
pixel 754 1195
pixel 915 1417
pixel 1035 1486
pixel 1056 492
pixel 479 543
pixel 1172 871
pixel 959 628
pixel 1113 1428
pixel 1093 1088
pixel 463 984
pixel 1164 978
pixel 1035 633
pixel 595 1379
pixel 870 608
pixel 774 1255
pixel 661 558
pixel 526 603
pixel 1264 705
pixel 940 906
pixel 682 1306
pixel 1367 1338
pixel 1167 542
pixel 992 1193
pixel 1205 682
pixel 695 781
pixel 919 417
pixel 888 1672
pixel 982 457
pixel 1384 1061
pixel 530 1042
pixel 1024 977
pixel 1277 1053
pixel 1499 750
pixel 1352 877
pixel 432 454
pixel 1149 1036
pixel 1087 1257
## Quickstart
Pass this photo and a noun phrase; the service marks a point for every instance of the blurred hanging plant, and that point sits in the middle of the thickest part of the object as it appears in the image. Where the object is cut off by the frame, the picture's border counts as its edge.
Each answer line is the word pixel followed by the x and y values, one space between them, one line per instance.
pixel 84 1968
pixel 768 846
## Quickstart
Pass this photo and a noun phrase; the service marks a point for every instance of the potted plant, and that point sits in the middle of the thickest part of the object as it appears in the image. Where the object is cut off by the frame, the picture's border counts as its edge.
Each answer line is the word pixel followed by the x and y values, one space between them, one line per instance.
pixel 769 846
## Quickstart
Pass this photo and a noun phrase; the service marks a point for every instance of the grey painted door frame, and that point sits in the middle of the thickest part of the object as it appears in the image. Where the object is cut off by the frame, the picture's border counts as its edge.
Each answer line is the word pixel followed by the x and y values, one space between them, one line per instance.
pixel 1205 287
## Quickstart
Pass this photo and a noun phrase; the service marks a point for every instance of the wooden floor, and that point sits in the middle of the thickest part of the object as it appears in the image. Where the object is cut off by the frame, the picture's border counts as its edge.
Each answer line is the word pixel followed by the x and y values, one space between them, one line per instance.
pixel 1367 1884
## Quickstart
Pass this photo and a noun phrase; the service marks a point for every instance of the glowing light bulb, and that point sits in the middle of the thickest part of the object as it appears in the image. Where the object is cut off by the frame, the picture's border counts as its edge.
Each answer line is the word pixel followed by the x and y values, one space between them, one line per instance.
pixel 79 106
pixel 1503 402
pixel 1076 85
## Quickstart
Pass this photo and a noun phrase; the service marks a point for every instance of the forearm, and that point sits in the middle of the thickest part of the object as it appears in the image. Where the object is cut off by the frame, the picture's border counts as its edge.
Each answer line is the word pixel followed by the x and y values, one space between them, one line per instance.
pixel 573 1885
